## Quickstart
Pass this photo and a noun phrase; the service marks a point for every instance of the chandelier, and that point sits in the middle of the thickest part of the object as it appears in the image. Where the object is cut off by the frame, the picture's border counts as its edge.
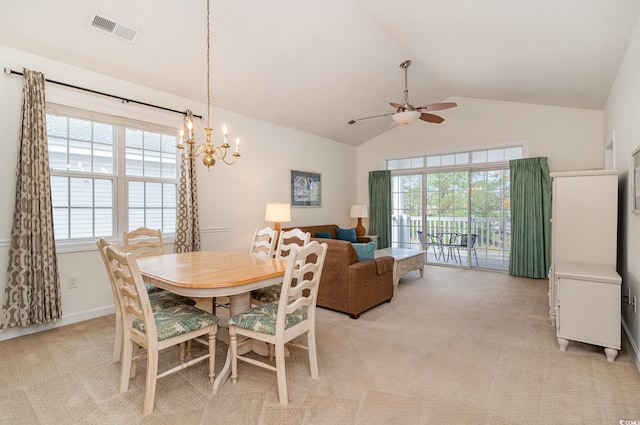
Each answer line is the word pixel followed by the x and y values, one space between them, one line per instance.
pixel 208 150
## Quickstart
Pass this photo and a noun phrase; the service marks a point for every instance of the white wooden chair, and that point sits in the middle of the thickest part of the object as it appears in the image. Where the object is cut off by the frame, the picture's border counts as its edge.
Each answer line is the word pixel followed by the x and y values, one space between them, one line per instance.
pixel 143 241
pixel 159 299
pixel 264 242
pixel 154 330
pixel 287 241
pixel 290 239
pixel 279 323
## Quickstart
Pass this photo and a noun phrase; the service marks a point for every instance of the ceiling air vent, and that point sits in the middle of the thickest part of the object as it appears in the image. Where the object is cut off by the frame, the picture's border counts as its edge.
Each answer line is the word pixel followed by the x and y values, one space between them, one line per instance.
pixel 113 28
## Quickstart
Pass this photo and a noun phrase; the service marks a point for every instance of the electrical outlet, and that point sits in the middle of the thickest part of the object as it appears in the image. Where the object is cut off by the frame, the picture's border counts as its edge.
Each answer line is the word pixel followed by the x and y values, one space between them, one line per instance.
pixel 73 281
pixel 628 295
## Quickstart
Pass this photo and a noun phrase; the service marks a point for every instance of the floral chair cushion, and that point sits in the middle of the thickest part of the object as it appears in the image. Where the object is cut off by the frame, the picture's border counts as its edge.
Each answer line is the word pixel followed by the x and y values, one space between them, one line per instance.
pixel 270 294
pixel 151 289
pixel 178 320
pixel 263 318
pixel 161 300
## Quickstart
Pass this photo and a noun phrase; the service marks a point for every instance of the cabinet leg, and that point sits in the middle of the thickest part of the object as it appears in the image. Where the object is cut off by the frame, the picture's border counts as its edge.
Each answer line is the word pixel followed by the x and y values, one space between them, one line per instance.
pixel 563 344
pixel 611 353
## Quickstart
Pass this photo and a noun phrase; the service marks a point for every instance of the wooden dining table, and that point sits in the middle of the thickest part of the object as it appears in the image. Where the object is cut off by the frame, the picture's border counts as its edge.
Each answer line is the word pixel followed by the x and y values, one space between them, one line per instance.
pixel 213 274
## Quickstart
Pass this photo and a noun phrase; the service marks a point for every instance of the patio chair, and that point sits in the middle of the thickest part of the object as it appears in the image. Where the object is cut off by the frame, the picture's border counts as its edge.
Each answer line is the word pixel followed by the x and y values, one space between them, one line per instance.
pixel 433 242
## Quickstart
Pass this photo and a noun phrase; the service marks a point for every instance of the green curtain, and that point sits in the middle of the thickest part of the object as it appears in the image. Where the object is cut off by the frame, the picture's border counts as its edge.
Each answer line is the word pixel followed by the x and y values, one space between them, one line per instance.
pixel 380 206
pixel 530 218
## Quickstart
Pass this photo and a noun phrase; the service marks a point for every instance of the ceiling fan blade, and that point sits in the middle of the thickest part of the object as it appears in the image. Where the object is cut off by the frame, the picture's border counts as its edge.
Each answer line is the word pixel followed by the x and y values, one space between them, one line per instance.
pixel 437 106
pixel 431 118
pixel 398 106
pixel 366 118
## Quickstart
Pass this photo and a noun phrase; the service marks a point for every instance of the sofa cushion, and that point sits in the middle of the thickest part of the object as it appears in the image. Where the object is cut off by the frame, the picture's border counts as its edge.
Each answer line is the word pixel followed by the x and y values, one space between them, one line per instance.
pixel 365 251
pixel 348 235
pixel 323 235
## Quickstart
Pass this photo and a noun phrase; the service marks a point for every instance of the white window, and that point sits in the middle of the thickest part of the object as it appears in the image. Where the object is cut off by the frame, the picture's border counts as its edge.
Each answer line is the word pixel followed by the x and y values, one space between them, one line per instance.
pixel 109 174
pixel 460 159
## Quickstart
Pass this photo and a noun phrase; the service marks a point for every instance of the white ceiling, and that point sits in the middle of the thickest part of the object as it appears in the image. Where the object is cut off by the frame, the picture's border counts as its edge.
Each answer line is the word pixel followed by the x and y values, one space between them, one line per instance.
pixel 313 65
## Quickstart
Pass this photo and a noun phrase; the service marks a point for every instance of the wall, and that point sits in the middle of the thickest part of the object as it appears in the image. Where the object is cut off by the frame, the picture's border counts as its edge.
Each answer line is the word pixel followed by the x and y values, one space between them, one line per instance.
pixel 231 198
pixel 621 118
pixel 571 139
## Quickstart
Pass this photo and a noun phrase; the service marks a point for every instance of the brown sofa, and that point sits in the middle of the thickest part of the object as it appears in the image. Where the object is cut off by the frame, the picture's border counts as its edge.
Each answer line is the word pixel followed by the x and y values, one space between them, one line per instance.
pixel 347 285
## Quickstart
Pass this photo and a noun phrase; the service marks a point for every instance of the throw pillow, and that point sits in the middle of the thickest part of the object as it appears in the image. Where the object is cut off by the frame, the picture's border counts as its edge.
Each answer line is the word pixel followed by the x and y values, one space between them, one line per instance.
pixel 365 251
pixel 348 235
pixel 324 235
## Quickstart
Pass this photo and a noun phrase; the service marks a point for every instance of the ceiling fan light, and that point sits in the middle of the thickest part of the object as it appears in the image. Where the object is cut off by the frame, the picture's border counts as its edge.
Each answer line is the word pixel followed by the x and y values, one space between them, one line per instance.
pixel 406 117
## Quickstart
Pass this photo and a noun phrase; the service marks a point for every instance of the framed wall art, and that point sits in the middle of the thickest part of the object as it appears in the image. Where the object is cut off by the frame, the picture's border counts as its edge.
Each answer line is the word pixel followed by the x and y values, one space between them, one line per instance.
pixel 305 189
pixel 635 175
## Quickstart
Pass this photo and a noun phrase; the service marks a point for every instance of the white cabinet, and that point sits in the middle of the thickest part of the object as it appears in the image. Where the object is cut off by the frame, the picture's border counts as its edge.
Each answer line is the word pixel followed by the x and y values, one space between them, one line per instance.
pixel 588 305
pixel 584 221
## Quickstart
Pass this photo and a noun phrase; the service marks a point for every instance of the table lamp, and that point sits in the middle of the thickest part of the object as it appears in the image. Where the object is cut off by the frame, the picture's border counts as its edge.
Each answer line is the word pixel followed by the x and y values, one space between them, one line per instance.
pixel 278 213
pixel 359 212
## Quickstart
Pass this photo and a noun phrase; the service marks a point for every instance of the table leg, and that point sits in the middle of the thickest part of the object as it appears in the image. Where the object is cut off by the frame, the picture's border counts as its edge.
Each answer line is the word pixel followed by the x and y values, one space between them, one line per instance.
pixel 237 304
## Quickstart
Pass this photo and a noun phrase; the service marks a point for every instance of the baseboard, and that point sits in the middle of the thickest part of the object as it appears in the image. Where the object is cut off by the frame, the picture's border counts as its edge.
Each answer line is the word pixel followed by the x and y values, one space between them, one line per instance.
pixel 66 320
pixel 636 351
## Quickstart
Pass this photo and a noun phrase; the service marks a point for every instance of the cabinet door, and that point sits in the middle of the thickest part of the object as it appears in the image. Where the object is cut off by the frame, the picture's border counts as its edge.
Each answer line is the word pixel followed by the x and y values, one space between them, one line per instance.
pixel 584 222
pixel 589 312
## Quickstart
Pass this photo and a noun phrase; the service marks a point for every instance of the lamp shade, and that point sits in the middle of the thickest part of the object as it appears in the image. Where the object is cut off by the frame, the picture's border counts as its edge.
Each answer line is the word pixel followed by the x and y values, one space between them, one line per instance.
pixel 359 211
pixel 278 213
pixel 406 117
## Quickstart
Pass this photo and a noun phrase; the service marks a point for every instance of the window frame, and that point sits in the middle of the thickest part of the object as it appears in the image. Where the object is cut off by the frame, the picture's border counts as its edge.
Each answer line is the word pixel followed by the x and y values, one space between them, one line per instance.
pixel 119 178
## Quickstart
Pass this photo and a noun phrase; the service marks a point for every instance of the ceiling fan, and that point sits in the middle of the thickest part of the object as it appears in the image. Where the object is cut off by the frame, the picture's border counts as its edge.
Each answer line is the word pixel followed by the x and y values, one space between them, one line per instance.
pixel 406 113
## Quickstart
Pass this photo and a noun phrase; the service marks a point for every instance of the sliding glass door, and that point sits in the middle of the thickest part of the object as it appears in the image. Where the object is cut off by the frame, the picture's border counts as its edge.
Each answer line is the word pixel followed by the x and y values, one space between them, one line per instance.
pixel 461 217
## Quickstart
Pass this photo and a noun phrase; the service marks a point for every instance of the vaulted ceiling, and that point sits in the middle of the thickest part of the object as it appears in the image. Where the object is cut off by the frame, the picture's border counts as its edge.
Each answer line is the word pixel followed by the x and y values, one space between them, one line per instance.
pixel 315 65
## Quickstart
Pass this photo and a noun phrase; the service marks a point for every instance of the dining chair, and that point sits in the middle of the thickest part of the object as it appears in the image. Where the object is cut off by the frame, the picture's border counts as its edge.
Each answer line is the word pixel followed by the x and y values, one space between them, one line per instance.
pixel 287 241
pixel 262 245
pixel 142 242
pixel 154 330
pixel 292 316
pixel 159 300
pixel 264 242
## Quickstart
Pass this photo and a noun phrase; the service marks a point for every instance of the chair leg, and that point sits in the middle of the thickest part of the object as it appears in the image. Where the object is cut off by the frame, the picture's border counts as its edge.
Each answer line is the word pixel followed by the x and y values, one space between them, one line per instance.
pixel 282 375
pixel 126 366
pixel 183 350
pixel 117 342
pixel 233 343
pixel 313 355
pixel 150 387
pixel 212 352
pixel 135 353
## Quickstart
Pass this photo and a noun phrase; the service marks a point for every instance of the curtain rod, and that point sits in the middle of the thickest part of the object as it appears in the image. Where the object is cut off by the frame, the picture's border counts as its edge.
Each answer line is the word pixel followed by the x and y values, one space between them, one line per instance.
pixel 9 71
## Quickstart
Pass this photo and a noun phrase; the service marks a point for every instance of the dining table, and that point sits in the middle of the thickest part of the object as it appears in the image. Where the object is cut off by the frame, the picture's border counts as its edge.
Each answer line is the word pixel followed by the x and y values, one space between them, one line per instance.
pixel 204 274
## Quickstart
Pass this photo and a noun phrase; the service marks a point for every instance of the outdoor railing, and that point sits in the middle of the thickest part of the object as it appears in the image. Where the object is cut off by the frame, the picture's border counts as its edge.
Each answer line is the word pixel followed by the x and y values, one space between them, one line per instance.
pixel 494 233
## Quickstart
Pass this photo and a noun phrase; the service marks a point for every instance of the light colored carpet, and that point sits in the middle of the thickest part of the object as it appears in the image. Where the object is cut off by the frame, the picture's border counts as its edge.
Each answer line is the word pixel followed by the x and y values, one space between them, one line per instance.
pixel 456 347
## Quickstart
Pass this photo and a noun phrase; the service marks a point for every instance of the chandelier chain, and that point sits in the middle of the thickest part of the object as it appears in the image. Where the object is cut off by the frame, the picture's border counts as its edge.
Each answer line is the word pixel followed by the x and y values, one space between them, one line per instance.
pixel 208 150
pixel 208 66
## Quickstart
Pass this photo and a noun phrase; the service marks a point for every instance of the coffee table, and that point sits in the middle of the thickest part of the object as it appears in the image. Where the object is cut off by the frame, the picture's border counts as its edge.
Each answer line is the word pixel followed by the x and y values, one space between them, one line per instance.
pixel 405 261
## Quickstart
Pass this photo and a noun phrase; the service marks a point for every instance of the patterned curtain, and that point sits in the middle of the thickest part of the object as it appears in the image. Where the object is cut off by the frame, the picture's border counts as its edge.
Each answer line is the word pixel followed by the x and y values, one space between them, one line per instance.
pixel 530 218
pixel 380 206
pixel 32 292
pixel 187 224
